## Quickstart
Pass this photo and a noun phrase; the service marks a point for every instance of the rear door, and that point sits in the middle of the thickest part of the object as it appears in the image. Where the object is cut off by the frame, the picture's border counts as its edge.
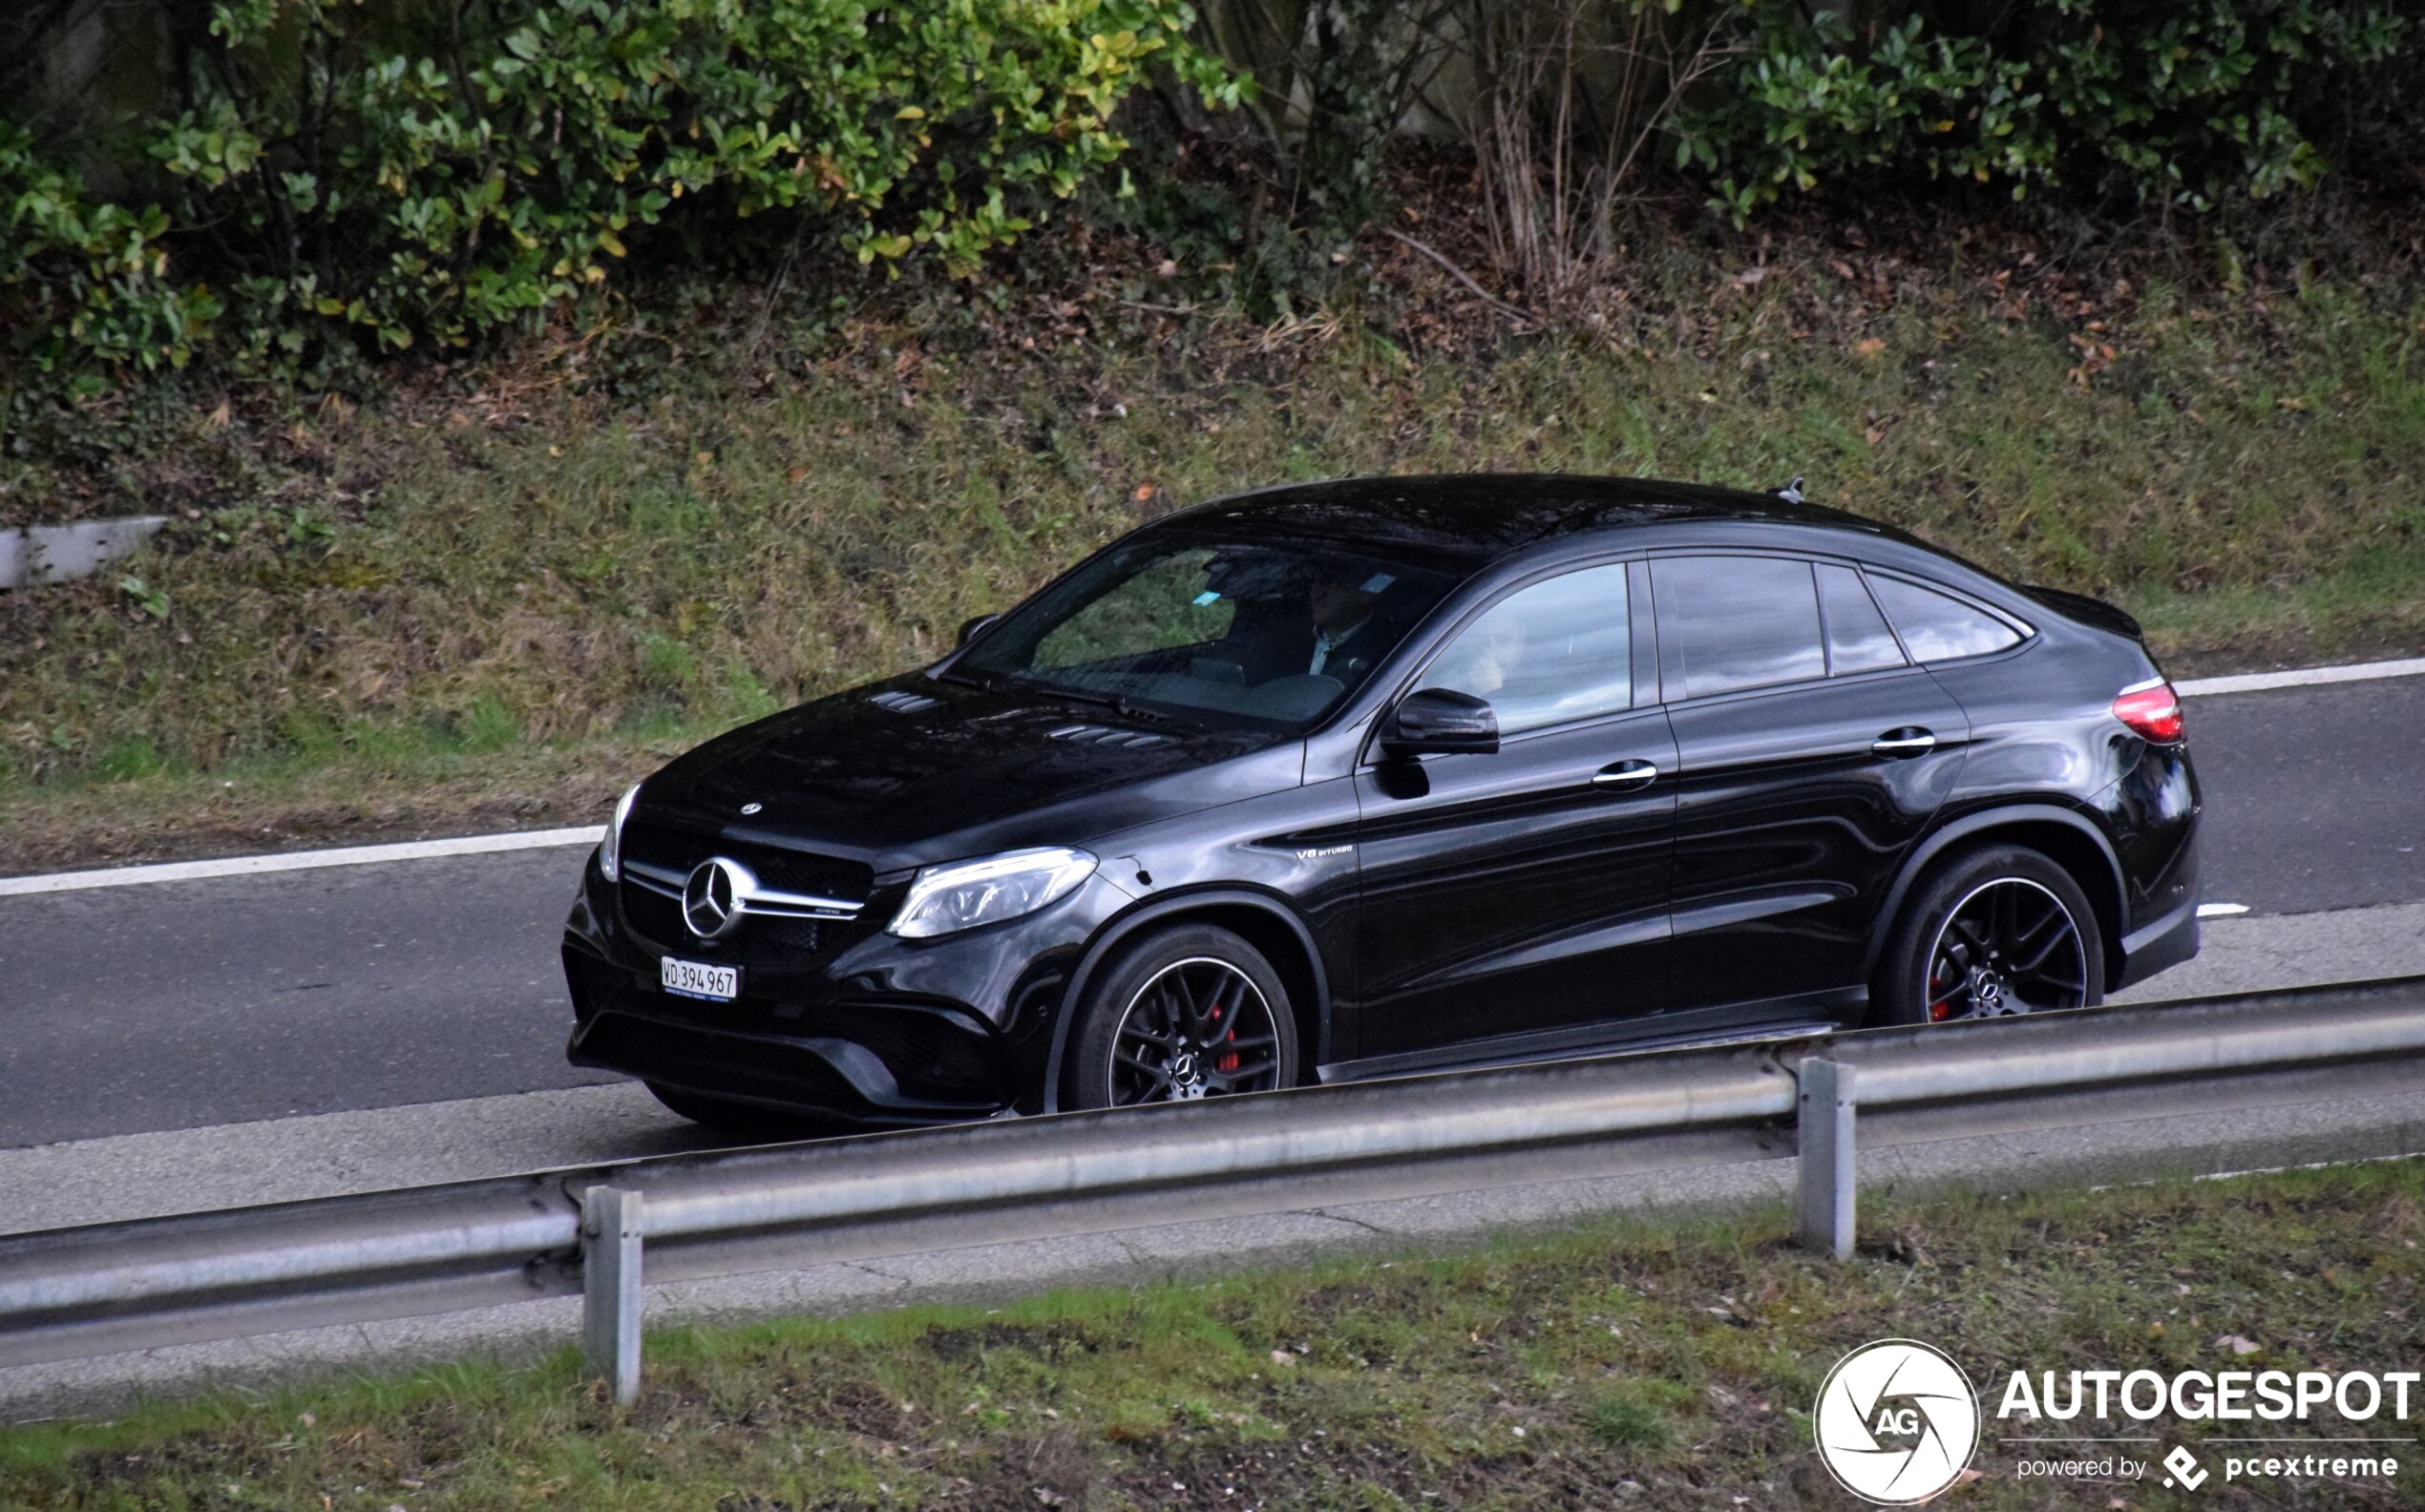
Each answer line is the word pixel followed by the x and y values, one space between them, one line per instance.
pixel 1525 892
pixel 1812 754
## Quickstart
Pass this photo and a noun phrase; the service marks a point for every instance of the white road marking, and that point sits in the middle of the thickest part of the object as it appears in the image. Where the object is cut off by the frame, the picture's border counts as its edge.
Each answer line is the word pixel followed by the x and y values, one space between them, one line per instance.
pixel 589 834
pixel 302 860
pixel 2220 909
pixel 2304 677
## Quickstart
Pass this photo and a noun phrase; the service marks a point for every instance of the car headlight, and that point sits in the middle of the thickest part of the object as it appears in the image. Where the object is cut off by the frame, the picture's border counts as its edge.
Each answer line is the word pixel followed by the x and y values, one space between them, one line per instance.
pixel 610 850
pixel 945 899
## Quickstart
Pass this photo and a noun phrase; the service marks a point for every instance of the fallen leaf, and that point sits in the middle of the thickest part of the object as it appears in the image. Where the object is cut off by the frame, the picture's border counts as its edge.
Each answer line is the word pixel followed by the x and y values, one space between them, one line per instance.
pixel 2237 1344
pixel 1869 347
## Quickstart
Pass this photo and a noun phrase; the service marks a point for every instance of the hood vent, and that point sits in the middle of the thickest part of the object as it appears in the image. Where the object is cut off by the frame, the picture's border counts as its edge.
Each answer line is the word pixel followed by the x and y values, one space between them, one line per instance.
pixel 1105 735
pixel 901 701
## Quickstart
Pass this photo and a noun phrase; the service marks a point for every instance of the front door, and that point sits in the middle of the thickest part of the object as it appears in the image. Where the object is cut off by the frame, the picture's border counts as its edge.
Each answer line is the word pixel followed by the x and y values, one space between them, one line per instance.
pixel 1813 754
pixel 1523 892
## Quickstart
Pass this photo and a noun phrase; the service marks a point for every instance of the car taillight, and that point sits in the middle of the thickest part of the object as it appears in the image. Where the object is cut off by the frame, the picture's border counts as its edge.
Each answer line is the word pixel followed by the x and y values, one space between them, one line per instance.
pixel 2152 711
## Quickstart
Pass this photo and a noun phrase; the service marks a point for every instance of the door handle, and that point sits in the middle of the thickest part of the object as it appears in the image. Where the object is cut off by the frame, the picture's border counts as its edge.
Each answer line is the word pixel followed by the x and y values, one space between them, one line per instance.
pixel 1906 741
pixel 1625 776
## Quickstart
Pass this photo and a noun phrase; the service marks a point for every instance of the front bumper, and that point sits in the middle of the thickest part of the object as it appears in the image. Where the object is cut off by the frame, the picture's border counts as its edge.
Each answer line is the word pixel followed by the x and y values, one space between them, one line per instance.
pixel 853 1024
pixel 882 1065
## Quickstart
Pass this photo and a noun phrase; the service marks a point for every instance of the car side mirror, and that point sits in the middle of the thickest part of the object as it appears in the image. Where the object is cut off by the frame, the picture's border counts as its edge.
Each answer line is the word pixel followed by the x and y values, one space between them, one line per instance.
pixel 968 632
pixel 1440 720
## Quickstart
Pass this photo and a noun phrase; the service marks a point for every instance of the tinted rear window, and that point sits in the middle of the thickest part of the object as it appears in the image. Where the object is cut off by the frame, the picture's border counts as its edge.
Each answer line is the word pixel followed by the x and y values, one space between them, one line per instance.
pixel 1739 622
pixel 1939 628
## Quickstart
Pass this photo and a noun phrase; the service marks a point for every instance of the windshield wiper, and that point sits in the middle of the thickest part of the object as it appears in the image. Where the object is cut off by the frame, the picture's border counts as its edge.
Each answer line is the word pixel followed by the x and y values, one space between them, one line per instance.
pixel 1113 702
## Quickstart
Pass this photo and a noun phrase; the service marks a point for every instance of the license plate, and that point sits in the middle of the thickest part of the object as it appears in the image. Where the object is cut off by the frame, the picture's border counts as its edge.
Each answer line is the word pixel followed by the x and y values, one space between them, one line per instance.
pixel 699 980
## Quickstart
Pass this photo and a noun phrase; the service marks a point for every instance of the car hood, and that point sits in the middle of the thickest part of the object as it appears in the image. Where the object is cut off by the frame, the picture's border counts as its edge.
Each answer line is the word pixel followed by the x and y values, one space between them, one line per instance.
pixel 912 771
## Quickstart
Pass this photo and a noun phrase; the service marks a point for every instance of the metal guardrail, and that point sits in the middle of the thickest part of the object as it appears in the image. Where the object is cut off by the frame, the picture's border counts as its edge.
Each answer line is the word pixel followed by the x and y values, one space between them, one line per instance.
pixel 74 1292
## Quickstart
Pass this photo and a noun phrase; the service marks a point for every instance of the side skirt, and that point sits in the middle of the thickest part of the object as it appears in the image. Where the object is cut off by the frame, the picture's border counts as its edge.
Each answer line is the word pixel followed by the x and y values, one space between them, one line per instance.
pixel 1793 1018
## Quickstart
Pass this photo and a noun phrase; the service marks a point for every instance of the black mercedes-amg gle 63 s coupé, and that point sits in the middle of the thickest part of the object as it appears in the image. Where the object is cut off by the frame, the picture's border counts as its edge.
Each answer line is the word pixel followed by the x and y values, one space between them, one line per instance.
pixel 1361 778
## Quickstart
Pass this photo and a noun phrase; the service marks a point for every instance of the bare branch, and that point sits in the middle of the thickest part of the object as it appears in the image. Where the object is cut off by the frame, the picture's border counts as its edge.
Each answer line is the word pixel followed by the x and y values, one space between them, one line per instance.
pixel 1462 277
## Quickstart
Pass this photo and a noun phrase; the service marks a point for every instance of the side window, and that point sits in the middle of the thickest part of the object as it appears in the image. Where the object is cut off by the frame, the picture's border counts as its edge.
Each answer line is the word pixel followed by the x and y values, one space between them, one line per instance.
pixel 1739 622
pixel 1858 640
pixel 1558 650
pixel 1938 627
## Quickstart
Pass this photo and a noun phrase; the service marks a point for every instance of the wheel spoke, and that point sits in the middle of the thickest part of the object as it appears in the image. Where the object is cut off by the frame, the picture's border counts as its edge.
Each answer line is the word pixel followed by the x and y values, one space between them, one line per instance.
pixel 1165 1041
pixel 2025 966
pixel 1966 936
pixel 1229 1080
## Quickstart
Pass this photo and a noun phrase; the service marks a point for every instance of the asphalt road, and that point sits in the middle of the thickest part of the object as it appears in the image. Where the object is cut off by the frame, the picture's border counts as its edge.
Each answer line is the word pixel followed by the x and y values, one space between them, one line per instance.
pixel 193 1005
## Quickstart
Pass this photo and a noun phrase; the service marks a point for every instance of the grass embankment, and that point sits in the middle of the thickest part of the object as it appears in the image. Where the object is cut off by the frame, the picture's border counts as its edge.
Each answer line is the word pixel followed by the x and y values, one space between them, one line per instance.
pixel 1632 1366
pixel 494 596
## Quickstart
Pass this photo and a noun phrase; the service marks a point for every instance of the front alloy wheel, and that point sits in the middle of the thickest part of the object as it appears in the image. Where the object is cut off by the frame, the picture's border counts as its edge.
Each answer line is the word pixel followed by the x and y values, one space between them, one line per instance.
pixel 1191 1013
pixel 1198 1027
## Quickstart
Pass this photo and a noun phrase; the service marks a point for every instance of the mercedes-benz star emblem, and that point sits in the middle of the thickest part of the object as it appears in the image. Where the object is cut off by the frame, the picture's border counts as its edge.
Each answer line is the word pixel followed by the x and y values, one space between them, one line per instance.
pixel 750 808
pixel 711 897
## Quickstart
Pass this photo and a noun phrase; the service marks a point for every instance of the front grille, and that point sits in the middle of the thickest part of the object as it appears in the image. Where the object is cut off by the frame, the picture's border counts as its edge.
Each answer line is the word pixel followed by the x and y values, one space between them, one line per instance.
pixel 673 851
pixel 759 940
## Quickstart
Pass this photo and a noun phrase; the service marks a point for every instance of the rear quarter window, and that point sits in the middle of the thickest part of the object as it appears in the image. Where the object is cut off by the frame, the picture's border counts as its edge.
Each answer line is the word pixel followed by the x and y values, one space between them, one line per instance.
pixel 1939 628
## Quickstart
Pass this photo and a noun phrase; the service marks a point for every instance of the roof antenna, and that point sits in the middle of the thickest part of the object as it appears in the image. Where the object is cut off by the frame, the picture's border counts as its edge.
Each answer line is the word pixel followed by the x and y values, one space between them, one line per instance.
pixel 1791 492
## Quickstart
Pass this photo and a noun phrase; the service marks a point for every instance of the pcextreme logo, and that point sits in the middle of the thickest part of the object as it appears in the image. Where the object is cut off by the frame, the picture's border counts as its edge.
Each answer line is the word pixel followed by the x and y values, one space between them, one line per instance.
pixel 1897 1423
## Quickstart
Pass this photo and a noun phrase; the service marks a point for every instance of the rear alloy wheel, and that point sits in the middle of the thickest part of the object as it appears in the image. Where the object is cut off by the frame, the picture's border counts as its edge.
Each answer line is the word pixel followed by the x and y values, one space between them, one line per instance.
pixel 1997 931
pixel 1192 1013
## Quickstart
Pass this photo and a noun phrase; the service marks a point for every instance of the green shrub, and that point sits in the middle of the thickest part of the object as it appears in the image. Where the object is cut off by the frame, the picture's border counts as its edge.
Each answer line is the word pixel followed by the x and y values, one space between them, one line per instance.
pixel 343 171
pixel 2161 102
pixel 84 281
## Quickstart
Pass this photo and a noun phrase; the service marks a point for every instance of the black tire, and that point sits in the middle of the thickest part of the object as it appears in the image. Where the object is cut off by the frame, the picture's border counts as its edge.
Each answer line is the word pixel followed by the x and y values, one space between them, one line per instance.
pixel 1195 1011
pixel 743 1119
pixel 1988 932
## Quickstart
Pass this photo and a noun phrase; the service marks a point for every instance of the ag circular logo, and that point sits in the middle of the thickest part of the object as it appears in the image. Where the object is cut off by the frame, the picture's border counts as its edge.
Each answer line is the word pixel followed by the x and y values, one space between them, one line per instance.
pixel 1897 1423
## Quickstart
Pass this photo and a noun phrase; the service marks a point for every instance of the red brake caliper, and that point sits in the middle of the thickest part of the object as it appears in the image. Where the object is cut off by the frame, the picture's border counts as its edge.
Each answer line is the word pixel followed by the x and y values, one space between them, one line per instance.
pixel 1228 1062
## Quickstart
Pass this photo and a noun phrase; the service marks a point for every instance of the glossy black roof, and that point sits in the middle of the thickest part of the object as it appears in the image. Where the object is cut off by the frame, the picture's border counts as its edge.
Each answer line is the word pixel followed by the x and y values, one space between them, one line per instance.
pixel 1470 519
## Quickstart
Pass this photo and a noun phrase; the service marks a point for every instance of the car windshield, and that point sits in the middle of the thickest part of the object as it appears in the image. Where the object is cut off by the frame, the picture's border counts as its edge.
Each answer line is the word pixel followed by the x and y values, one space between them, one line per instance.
pixel 1275 632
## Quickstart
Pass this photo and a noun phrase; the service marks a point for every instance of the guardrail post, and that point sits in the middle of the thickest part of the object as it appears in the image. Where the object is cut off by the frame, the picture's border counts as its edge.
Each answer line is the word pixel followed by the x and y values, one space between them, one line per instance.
pixel 610 1289
pixel 1823 1148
